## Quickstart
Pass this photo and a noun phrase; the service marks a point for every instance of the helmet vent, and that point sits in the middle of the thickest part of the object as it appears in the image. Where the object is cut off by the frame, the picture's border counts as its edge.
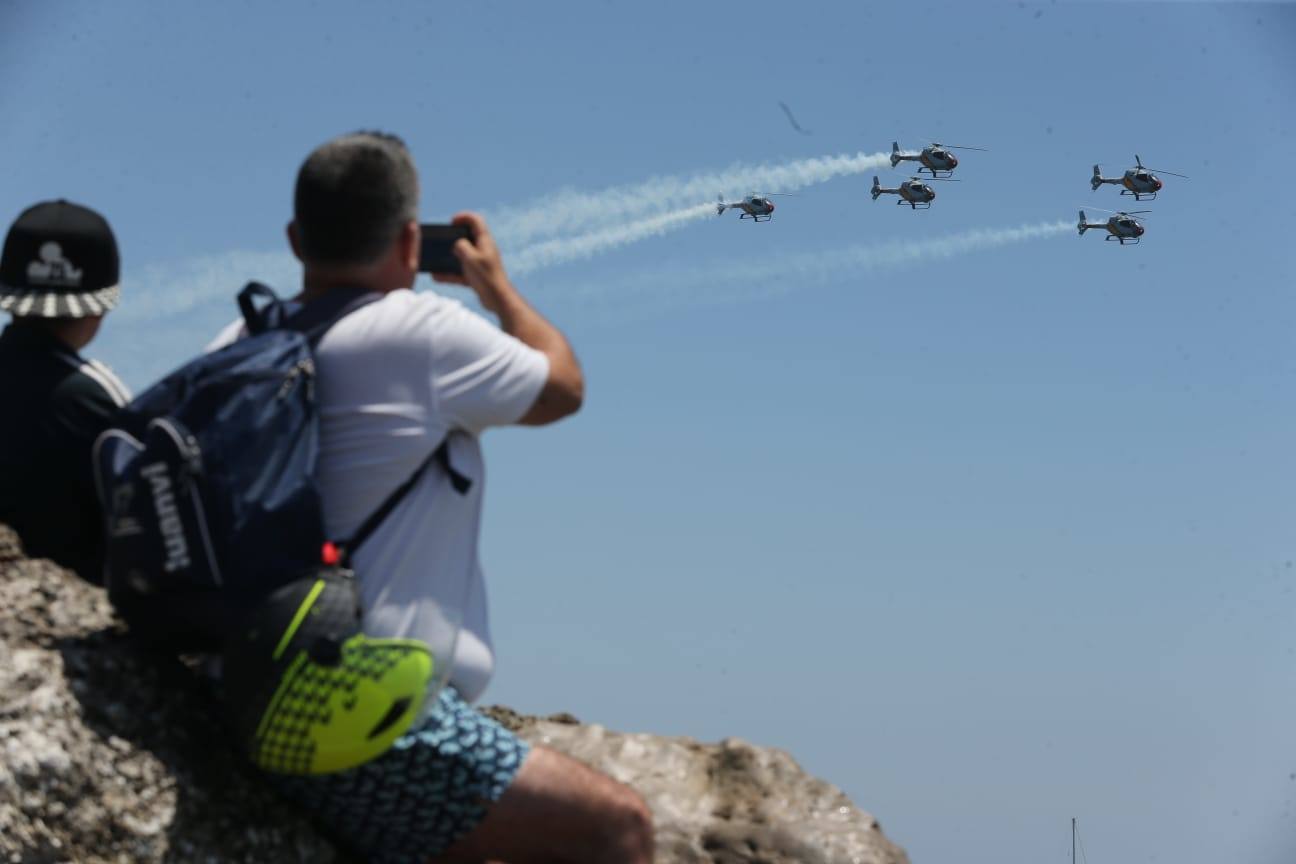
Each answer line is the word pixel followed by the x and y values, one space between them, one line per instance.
pixel 393 714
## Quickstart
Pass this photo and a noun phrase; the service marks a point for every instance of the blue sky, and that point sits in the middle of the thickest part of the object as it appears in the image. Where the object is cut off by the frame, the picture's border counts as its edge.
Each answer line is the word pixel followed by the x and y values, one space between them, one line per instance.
pixel 989 540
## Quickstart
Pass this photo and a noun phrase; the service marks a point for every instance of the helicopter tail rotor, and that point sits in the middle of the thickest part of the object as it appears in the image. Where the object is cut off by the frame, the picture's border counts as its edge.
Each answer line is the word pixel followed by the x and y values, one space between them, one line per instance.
pixel 720 205
pixel 1083 222
pixel 895 155
pixel 877 187
pixel 1097 179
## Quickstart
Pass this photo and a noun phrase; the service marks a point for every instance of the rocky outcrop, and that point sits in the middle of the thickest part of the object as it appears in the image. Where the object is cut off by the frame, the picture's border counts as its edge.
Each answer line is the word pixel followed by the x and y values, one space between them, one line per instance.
pixel 725 803
pixel 111 754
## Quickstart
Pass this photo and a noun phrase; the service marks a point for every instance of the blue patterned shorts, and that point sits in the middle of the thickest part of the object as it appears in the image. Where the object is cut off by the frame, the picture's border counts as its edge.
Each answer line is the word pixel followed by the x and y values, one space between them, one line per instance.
pixel 432 787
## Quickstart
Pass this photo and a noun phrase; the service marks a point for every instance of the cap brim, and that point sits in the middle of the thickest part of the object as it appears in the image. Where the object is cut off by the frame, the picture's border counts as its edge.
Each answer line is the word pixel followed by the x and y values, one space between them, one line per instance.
pixel 38 303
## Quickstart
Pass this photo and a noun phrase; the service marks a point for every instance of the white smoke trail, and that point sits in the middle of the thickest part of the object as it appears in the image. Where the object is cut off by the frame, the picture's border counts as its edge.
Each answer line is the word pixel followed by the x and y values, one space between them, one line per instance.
pixel 168 290
pixel 570 211
pixel 551 252
pixel 869 257
pixel 187 293
pixel 722 279
pixel 618 215
pixel 159 291
pixel 162 291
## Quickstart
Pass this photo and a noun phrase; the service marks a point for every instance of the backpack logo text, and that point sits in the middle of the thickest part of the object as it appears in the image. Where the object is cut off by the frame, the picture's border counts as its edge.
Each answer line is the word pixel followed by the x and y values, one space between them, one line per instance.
pixel 177 550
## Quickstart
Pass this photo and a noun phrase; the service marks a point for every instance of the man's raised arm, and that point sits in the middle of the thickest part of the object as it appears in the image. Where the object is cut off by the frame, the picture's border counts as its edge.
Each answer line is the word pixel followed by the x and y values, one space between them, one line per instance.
pixel 483 271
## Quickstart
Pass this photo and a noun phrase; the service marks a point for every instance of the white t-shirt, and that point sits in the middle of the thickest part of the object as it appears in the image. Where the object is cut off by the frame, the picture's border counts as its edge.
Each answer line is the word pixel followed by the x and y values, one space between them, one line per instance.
pixel 394 378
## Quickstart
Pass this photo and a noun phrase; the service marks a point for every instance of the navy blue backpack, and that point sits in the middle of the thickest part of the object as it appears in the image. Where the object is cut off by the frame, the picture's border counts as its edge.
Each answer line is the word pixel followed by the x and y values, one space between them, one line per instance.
pixel 208 481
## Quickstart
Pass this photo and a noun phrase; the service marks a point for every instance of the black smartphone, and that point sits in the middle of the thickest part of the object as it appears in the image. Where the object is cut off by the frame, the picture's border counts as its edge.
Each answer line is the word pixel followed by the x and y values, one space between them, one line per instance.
pixel 435 245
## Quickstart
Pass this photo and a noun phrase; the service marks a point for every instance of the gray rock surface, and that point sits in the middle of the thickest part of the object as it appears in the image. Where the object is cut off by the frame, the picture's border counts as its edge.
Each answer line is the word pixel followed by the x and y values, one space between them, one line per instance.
pixel 110 754
pixel 725 803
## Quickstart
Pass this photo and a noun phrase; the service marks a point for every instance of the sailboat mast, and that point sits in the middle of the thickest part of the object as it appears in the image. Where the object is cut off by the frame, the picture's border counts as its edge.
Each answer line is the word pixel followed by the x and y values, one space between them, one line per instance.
pixel 1072 840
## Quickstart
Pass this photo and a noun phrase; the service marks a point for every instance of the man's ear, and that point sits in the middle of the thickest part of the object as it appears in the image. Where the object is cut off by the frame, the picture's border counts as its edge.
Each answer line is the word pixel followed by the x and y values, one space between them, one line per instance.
pixel 410 242
pixel 293 241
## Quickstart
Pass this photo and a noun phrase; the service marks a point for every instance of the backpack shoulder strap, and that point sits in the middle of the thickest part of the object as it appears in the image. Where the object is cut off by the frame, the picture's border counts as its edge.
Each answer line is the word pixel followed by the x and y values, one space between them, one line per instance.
pixel 312 319
pixel 441 455
pixel 258 319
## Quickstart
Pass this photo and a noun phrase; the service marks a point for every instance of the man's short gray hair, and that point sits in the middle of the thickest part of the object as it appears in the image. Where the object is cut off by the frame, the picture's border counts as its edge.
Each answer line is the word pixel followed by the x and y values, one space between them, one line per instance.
pixel 353 195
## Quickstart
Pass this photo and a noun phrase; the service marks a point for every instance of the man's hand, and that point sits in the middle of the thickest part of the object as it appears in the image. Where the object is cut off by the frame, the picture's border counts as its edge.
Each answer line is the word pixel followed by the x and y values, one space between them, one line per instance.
pixel 483 269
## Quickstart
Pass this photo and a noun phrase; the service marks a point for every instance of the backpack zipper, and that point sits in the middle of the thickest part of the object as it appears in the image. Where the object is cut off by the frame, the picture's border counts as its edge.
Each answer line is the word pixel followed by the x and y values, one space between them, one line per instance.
pixel 303 368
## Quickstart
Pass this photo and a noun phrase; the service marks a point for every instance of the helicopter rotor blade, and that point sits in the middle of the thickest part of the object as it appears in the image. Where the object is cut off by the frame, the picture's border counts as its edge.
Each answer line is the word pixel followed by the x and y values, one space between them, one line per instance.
pixel 935 143
pixel 1116 212
pixel 1171 173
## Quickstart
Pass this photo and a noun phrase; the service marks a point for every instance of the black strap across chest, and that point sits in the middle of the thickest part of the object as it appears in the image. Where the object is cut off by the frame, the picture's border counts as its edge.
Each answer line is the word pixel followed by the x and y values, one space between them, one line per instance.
pixel 441 456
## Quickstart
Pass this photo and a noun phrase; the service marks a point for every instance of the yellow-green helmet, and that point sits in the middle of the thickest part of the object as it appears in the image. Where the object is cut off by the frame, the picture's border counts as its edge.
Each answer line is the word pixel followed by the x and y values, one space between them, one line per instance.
pixel 308 692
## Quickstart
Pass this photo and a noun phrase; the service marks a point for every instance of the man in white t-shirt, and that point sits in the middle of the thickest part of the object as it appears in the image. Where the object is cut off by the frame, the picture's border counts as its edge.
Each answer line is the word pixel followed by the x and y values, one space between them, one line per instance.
pixel 395 378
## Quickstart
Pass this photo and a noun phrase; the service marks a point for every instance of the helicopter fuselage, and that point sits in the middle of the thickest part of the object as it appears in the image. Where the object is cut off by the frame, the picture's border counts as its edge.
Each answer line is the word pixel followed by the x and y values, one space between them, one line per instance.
pixel 1137 181
pixel 1121 227
pixel 755 207
pixel 937 161
pixel 917 194
pixel 1140 183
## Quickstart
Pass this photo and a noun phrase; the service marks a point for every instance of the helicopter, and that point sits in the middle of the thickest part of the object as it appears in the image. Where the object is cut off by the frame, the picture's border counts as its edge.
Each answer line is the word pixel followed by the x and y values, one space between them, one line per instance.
pixel 1122 226
pixel 914 192
pixel 757 208
pixel 1138 181
pixel 935 158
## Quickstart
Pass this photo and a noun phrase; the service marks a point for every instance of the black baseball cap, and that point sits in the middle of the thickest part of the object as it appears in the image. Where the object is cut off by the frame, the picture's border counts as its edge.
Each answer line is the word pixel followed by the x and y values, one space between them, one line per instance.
pixel 60 261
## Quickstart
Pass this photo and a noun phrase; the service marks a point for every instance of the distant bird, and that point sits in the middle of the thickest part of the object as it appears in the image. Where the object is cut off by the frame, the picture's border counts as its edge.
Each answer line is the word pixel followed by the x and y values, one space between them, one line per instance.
pixel 792 120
